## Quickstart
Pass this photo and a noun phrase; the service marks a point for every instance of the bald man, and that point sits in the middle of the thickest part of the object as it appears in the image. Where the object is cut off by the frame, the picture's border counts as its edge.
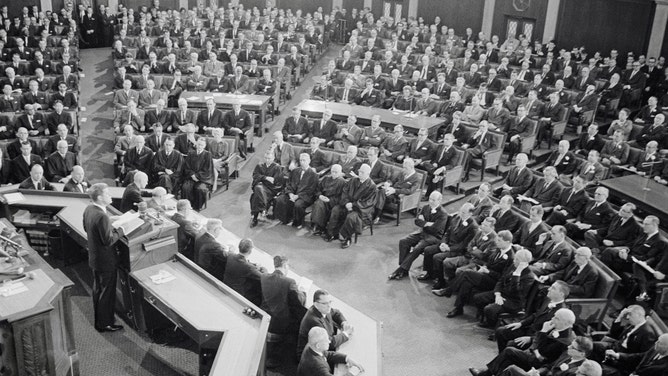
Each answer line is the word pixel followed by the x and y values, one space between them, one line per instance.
pixel 36 180
pixel 133 194
pixel 77 182
pixel 60 163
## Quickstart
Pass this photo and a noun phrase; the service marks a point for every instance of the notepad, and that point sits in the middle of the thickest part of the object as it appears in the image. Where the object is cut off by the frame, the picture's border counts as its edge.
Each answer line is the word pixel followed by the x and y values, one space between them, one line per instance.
pixel 10 289
pixel 163 276
pixel 128 222
pixel 13 198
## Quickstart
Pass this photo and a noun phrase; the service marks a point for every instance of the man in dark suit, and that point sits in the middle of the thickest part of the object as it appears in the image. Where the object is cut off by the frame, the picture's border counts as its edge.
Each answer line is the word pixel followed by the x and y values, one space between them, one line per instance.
pixel 596 214
pixel 295 128
pixel 299 193
pixel 22 164
pixel 443 159
pixel 243 276
pixel 36 180
pixel 630 333
pixel 647 245
pixel 553 252
pixel 186 233
pixel 60 163
pixel 518 180
pixel 591 140
pixel 623 230
pixel 570 204
pixel 209 254
pixel 158 115
pixel 506 218
pixel 316 360
pixel 529 232
pixel 132 194
pixel 183 115
pixel 518 334
pixel 77 182
pixel 157 139
pixel 431 221
pixel 547 345
pixel 405 183
pixel 209 118
pixel 580 276
pixel 284 301
pixel 544 191
pixel 571 363
pixel 562 159
pixel 652 362
pixel 478 144
pixel 421 149
pixel 321 314
pixel 102 257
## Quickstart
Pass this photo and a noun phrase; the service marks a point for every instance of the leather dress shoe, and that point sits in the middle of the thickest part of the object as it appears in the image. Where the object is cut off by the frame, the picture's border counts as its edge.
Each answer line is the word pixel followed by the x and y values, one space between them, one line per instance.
pixel 478 372
pixel 441 292
pixel 110 328
pixel 455 312
pixel 346 243
pixel 317 232
pixel 397 274
pixel 439 285
pixel 254 222
pixel 426 277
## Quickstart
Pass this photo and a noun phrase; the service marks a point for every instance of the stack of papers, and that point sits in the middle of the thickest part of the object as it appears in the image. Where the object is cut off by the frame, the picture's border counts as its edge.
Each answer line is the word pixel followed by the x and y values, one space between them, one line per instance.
pixel 9 289
pixel 13 198
pixel 163 276
pixel 129 222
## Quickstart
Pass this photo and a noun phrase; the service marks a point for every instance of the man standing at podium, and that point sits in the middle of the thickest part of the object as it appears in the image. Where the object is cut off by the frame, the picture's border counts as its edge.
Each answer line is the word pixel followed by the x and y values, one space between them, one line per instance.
pixel 102 257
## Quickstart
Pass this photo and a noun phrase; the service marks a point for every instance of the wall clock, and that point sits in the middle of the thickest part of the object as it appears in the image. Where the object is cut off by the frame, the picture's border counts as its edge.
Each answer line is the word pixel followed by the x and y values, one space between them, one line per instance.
pixel 521 5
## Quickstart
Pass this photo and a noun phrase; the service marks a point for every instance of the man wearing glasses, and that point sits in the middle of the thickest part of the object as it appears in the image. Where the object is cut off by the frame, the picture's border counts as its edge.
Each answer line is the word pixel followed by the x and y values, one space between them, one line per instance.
pixel 316 360
pixel 323 315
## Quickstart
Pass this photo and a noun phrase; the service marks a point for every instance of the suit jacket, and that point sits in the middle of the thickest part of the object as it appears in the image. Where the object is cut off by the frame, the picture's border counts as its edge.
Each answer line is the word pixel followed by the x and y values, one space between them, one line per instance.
pixel 131 197
pixel 58 167
pixel 102 255
pixel 565 166
pixel 21 169
pixel 28 184
pixel 71 186
pixel 621 151
pixel 551 348
pixel 164 118
pixel 325 132
pixel 620 234
pixel 598 217
pixel 155 144
pixel 515 288
pixel 215 121
pixel 546 196
pixel 292 127
pixel 641 340
pixel 5 171
pixel 459 233
pixel 587 144
pixel 210 255
pixel 582 284
pixel 444 158
pixel 178 118
pixel 332 323
pixel 244 278
pixel 54 119
pixel 644 364
pixel 432 234
pixel 240 85
pixel 305 186
pixel 519 181
pixel 527 238
pixel 509 220
pixel 314 364
pixel 283 301
pixel 573 204
pixel 370 99
pixel 555 257
pixel 424 152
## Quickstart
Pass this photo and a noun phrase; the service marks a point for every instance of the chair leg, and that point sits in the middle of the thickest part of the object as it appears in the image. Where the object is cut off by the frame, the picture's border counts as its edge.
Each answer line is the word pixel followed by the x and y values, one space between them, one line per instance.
pixel 355 238
pixel 370 229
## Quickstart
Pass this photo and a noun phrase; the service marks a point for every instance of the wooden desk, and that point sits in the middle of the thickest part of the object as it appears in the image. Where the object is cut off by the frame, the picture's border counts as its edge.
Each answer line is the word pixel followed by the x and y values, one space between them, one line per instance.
pixel 249 102
pixel 36 330
pixel 631 188
pixel 230 342
pixel 364 346
pixel 388 119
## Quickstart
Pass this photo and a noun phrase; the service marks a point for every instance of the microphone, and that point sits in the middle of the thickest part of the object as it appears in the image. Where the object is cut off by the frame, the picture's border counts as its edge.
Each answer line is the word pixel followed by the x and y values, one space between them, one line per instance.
pixel 29 275
pixel 10 242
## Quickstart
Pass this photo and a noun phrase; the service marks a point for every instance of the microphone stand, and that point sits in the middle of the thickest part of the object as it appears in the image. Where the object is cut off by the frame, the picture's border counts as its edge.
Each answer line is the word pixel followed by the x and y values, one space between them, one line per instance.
pixel 649 174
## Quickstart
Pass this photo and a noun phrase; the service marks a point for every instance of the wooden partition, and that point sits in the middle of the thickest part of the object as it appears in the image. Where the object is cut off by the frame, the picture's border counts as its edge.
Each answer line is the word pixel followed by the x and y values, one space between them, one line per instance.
pixel 456 14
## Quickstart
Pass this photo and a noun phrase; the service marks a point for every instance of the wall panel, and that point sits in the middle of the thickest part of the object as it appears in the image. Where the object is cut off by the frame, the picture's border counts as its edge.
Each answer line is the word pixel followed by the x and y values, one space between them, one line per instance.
pixel 605 24
pixel 454 13
pixel 507 8
pixel 664 46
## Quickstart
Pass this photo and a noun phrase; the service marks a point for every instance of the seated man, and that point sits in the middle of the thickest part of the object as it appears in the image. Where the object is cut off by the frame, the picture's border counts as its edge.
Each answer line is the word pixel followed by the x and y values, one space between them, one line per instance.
pixel 621 232
pixel 590 171
pixel 615 152
pixel 237 123
pixel 519 334
pixel 584 104
pixel 422 149
pixel 166 167
pixel 295 128
pixel 510 293
pixel 649 162
pixel 132 195
pixel 506 218
pixel 356 208
pixel 60 163
pixel 544 191
pixel 394 147
pixel 267 183
pixel 324 129
pixel 350 162
pixel 547 345
pixel 36 180
pixel 562 159
pixel 243 276
pixel 552 112
pixel 481 141
pixel 461 229
pixel 197 175
pixel 369 97
pixel 316 357
pixel 629 334
pixel 528 234
pixel 570 204
pixel 78 182
pixel 209 254
pixel 59 116
pixel 348 135
pixel 482 277
pixel 124 95
pixel 209 118
pixel 187 231
pixel 130 115
pixel 647 245
pixel 431 221
pixel 652 362
pixel 476 251
pixel 481 201
pixel 72 142
pixel 518 180
pixel 580 276
pixel 373 135
pixel 518 128
pixel 591 140
pixel 554 254
pixel 299 193
pixel 137 158
pixel 22 164
pixel 596 214
pixel 444 159
pixel 572 362
pixel 656 131
pixel 391 191
pixel 322 315
pixel 328 195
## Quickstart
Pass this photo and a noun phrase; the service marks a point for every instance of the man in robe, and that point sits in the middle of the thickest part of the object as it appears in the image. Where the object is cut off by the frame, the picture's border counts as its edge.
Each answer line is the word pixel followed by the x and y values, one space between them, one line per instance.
pixel 166 167
pixel 197 175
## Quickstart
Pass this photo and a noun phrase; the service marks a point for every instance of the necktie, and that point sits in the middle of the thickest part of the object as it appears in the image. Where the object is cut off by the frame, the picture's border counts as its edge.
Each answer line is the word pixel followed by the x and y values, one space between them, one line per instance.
pixel 424 73
pixel 39 186
pixel 570 196
pixel 345 95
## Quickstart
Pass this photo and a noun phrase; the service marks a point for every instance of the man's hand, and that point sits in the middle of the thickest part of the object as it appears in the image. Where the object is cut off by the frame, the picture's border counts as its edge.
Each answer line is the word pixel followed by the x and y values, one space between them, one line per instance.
pixel 623 253
pixel 269 179
pixel 660 276
pixel 523 341
pixel 514 326
pixel 444 247
pixel 349 206
pixel 168 171
pixel 421 217
pixel 498 299
pixel 542 279
pixel 348 329
pixel 323 198
pixel 427 224
pixel 547 326
pixel 293 197
pixel 194 177
pixel 483 269
pixel 607 242
pixel 352 363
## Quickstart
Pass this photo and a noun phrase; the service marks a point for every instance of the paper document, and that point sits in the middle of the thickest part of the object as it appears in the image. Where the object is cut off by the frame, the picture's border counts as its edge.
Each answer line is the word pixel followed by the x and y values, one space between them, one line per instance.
pixel 128 222
pixel 13 198
pixel 163 276
pixel 9 289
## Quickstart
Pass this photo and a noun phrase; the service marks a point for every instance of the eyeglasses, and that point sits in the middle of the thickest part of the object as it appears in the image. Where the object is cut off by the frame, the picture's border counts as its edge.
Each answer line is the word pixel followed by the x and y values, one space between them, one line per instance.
pixel 327 303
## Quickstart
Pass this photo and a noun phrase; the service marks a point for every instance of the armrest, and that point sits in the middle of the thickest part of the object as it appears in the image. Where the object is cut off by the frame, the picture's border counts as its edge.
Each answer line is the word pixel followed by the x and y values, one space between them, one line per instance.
pixel 492 156
pixel 452 176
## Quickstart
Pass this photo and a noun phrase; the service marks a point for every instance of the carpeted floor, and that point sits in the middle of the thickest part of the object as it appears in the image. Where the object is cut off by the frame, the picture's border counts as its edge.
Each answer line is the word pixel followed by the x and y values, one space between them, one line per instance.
pixel 417 339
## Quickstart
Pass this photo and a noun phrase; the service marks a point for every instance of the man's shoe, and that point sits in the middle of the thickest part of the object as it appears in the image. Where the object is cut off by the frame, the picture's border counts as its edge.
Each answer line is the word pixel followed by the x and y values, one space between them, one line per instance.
pixel 346 243
pixel 254 222
pixel 317 232
pixel 491 337
pixel 484 325
pixel 455 312
pixel 441 292
pixel 110 328
pixel 439 285
pixel 479 372
pixel 426 277
pixel 327 237
pixel 397 274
